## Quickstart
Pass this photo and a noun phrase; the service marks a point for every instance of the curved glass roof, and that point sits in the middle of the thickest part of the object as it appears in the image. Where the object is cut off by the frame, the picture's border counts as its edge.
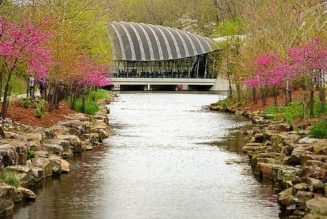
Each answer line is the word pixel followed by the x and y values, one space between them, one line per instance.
pixel 147 42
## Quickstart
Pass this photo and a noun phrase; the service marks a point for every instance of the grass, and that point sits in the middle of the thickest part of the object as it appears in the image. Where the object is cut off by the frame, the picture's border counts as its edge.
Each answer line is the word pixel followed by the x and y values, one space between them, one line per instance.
pixel 9 178
pixel 293 111
pixel 319 130
pixel 225 102
pixel 91 105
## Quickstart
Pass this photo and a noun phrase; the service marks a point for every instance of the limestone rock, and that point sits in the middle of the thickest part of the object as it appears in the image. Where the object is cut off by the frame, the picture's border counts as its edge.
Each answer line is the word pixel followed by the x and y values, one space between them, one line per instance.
pixel 308 140
pixel 8 155
pixel 43 154
pixel 54 149
pixel 44 164
pixel 318 206
pixel 74 141
pixel 21 148
pixel 286 198
pixel 26 193
pixel 303 196
pixel 34 137
pixel 65 166
pixel 315 184
pixel 24 173
pixel 300 187
pixel 55 163
pixel 6 191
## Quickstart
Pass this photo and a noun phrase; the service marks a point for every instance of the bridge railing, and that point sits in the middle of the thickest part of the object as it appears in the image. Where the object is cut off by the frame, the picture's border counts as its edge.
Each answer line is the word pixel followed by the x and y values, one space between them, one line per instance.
pixel 134 74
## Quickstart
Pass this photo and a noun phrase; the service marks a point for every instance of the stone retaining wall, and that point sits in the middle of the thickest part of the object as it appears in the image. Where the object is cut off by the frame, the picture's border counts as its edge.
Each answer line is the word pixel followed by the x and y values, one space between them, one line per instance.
pixel 295 162
pixel 34 153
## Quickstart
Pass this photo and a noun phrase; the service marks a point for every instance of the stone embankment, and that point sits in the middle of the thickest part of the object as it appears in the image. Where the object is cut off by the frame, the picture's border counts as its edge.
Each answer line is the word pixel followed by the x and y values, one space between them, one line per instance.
pixel 30 154
pixel 295 162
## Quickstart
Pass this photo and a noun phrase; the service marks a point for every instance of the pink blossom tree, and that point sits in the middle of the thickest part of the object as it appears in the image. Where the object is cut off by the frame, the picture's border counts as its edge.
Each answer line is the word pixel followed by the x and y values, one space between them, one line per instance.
pixel 310 60
pixel 270 72
pixel 21 45
pixel 89 74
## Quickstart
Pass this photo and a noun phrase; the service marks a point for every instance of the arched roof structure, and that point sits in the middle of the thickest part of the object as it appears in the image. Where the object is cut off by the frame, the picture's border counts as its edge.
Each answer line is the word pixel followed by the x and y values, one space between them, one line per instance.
pixel 147 42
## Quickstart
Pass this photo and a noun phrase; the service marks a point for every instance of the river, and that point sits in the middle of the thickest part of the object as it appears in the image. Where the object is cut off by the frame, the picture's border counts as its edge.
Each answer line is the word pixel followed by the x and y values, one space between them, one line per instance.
pixel 162 161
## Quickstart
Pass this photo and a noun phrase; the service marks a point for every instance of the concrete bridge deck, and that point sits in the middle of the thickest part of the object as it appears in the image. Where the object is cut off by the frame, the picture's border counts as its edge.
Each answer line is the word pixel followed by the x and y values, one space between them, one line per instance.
pixel 157 83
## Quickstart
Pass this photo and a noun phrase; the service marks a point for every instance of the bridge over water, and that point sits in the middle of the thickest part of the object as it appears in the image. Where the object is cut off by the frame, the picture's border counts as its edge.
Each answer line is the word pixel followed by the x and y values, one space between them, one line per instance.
pixel 154 84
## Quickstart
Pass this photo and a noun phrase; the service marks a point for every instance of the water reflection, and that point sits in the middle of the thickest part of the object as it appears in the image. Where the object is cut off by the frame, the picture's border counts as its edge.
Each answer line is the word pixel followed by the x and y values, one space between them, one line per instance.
pixel 160 163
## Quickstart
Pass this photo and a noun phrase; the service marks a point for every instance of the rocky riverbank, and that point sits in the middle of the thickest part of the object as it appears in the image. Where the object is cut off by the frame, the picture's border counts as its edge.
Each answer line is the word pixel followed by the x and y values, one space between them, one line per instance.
pixel 295 162
pixel 29 154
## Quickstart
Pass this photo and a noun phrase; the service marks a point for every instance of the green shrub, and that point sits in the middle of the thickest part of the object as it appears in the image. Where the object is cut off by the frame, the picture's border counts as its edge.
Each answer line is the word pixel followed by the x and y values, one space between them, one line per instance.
pixel 30 154
pixel 319 130
pixel 294 110
pixel 10 178
pixel 26 102
pixel 91 107
pixel 225 102
pixel 99 94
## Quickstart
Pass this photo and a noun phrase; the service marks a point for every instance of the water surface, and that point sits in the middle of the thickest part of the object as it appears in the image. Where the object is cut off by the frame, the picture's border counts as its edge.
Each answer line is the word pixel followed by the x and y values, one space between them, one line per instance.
pixel 160 162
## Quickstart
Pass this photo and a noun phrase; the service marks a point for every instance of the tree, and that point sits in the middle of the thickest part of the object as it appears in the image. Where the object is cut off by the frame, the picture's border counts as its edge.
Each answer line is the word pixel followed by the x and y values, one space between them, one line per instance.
pixel 309 60
pixel 21 44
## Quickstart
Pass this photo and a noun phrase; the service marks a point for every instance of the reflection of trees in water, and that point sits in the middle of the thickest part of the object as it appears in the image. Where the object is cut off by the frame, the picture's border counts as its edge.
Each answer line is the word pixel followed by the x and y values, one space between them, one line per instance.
pixel 234 141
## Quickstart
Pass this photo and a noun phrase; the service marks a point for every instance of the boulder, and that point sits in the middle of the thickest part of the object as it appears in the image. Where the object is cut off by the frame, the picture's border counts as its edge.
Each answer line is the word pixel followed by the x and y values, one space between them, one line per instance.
pixel 25 174
pixel 284 173
pixel 16 136
pixel 74 142
pixel 65 166
pixel 55 163
pixel 24 193
pixel 254 147
pixel 308 140
pixel 303 196
pixel 65 144
pixel 35 145
pixel 43 154
pixel 315 184
pixel 67 154
pixel 38 173
pixel 21 148
pixel 56 130
pixel 315 169
pixel 325 189
pixel 91 137
pixel 75 127
pixel 34 137
pixel 320 147
pixel 300 187
pixel 286 198
pixel 6 191
pixel 8 155
pixel 44 164
pixel 318 206
pixel 54 149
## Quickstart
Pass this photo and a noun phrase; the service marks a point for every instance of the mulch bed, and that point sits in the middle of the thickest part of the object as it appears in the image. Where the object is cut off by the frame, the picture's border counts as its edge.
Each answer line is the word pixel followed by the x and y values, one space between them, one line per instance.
pixel 27 115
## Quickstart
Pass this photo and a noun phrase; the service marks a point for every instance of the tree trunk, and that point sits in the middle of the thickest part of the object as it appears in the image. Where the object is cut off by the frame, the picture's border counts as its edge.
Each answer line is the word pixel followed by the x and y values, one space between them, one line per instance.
pixel 275 93
pixel 287 92
pixel 322 94
pixel 312 96
pixel 230 87
pixel 239 93
pixel 254 95
pixel 5 97
pixel 83 103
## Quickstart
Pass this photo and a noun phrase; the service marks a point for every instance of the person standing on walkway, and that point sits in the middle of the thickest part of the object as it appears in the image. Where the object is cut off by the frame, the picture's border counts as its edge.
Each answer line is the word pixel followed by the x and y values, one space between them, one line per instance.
pixel 31 84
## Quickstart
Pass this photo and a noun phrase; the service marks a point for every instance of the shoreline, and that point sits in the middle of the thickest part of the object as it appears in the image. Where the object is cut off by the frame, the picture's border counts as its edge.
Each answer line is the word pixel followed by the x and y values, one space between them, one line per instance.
pixel 295 163
pixel 30 154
